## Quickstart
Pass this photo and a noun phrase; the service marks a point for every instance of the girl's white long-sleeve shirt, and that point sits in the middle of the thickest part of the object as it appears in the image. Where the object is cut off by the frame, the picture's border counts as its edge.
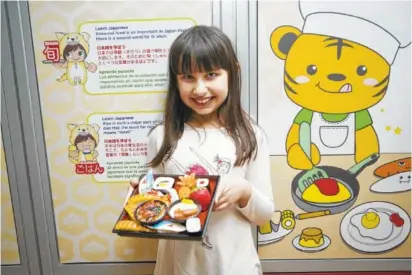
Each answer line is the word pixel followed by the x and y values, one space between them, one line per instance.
pixel 228 248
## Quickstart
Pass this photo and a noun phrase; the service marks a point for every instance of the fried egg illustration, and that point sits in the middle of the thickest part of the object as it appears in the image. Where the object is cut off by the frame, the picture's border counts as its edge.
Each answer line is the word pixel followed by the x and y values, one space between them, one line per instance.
pixel 373 224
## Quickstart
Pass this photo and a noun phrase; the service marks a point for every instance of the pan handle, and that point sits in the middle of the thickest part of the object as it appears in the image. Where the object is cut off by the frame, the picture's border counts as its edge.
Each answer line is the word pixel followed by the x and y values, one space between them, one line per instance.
pixel 358 167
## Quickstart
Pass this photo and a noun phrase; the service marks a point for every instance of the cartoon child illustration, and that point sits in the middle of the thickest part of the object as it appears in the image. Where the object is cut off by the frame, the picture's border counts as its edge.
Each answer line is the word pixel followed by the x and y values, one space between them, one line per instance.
pixel 84 139
pixel 74 48
pixel 336 68
pixel 223 165
pixel 202 166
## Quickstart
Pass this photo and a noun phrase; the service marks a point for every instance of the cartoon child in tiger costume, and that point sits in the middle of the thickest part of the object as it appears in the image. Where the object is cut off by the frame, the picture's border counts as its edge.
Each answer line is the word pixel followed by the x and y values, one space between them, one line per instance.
pixel 84 139
pixel 74 48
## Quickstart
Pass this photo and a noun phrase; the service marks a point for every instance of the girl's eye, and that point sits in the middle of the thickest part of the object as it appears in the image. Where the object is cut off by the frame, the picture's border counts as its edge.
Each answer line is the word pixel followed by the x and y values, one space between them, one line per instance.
pixel 187 76
pixel 81 53
pixel 68 54
pixel 211 75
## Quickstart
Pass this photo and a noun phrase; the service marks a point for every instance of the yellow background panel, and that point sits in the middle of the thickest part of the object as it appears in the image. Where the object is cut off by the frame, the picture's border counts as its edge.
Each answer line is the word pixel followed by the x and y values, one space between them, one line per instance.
pixel 9 246
pixel 86 211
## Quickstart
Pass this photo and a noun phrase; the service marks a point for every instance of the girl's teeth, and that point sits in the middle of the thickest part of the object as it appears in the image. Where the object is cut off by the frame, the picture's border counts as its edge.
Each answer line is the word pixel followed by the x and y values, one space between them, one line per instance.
pixel 202 101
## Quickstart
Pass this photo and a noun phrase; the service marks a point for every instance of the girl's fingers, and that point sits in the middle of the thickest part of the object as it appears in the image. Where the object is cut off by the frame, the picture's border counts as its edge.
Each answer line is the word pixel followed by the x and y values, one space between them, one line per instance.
pixel 134 182
pixel 219 195
pixel 219 200
pixel 222 199
pixel 222 206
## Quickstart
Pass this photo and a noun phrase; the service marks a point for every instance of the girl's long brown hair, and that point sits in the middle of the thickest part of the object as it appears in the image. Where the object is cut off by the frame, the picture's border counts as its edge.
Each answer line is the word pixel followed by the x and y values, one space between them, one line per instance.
pixel 205 48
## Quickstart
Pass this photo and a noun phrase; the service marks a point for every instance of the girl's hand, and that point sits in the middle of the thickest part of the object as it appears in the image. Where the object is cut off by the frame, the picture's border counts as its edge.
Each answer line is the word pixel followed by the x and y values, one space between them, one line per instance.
pixel 134 182
pixel 236 193
pixel 59 65
pixel 92 67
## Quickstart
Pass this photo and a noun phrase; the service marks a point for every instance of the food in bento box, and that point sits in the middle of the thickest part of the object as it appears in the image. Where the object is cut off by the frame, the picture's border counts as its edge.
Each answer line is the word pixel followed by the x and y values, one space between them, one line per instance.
pixel 187 180
pixel 181 213
pixel 173 195
pixel 163 183
pixel 172 206
pixel 182 210
pixel 132 226
pixel 131 209
pixel 152 195
pixel 393 168
pixel 326 191
pixel 202 196
pixel 184 192
pixel 168 226
pixel 193 225
pixel 202 182
pixel 151 212
pixel 144 186
pixel 311 237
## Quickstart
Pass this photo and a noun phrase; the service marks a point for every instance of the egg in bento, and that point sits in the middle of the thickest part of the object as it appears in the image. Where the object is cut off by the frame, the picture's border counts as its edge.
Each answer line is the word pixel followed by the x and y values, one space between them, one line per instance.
pixel 373 224
pixel 184 209
pixel 163 183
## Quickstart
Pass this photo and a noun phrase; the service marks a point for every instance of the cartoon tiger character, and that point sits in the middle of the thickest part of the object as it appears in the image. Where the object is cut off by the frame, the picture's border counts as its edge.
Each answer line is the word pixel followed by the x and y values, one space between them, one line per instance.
pixel 335 82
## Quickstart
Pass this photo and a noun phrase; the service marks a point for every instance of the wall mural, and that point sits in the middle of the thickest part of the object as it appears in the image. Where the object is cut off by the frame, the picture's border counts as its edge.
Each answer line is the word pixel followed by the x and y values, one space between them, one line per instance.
pixel 344 176
pixel 102 80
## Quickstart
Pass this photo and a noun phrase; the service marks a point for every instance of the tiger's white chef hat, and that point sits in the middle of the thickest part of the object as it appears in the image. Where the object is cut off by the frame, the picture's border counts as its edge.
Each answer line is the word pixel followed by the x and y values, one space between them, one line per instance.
pixel 383 26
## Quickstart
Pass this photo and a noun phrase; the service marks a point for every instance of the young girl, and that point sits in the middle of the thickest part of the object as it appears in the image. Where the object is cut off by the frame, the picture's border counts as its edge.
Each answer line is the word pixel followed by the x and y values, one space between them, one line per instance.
pixel 205 131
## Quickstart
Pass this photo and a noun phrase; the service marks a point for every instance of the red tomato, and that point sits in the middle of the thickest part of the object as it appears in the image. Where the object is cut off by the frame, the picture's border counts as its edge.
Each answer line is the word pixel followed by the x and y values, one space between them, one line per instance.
pixel 396 220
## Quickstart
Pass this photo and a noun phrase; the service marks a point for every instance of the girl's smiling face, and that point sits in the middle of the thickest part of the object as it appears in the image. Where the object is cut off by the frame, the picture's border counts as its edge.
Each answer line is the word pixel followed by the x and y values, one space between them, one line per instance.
pixel 76 55
pixel 203 92
pixel 86 145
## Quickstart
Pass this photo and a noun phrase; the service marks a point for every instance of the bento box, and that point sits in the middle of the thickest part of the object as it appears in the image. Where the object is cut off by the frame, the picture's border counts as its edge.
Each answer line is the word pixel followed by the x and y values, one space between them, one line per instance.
pixel 169 207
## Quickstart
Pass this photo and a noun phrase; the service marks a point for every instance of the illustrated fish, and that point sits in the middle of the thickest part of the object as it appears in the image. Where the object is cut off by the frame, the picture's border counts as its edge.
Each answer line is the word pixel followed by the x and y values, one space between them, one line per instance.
pixel 400 182
pixel 393 168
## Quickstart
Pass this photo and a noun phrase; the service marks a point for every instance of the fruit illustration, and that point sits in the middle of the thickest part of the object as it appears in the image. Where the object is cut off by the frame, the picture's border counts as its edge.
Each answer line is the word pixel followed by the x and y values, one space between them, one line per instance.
pixel 198 170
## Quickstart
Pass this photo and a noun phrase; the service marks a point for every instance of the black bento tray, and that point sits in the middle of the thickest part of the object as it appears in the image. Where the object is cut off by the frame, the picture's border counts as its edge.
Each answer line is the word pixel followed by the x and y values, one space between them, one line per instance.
pixel 198 236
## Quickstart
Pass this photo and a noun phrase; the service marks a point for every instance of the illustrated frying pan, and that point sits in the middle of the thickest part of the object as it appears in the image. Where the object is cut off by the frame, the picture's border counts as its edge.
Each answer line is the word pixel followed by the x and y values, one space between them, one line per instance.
pixel 346 177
